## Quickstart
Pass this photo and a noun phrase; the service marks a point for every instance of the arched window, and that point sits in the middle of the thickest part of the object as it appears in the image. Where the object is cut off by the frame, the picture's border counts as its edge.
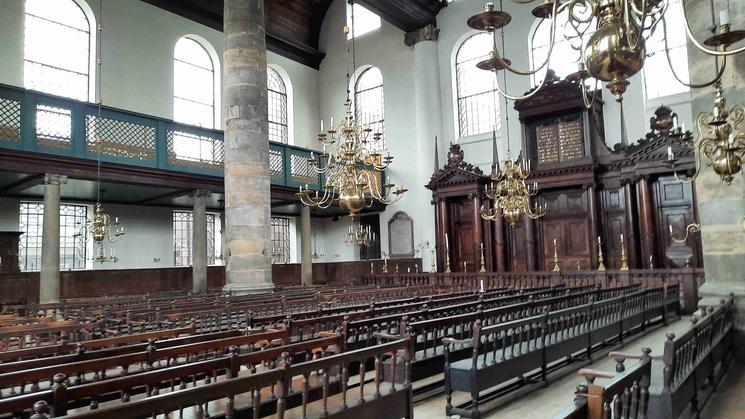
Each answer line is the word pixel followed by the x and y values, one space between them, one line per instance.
pixel 566 54
pixel 277 106
pixel 193 84
pixel 368 105
pixel 57 48
pixel 478 100
pixel 658 79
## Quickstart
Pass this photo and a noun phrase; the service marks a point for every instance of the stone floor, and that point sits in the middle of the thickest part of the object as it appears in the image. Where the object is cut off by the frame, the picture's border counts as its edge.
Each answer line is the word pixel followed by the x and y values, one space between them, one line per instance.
pixel 545 402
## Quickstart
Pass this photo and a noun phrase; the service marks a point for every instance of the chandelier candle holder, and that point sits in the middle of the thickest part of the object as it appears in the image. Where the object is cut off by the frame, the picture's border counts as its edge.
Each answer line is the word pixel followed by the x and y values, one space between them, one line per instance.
pixel 353 172
pixel 433 268
pixel 385 263
pixel 557 268
pixel 447 254
pixel 720 140
pixel 608 38
pixel 360 236
pixel 624 259
pixel 601 263
pixel 511 194
pixel 690 229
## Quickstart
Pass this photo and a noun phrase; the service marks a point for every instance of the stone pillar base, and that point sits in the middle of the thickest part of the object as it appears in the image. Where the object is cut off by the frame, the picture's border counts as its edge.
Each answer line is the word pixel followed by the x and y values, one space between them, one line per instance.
pixel 245 289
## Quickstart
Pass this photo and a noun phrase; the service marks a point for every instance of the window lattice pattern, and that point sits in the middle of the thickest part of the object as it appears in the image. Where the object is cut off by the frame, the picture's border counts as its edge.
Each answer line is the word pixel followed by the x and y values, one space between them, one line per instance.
pixel 72 247
pixel 658 78
pixel 10 120
pixel 31 222
pixel 277 100
pixel 183 227
pixel 301 171
pixel 369 106
pixel 194 150
pixel 478 100
pixel 193 84
pixel 53 126
pixel 276 164
pixel 280 240
pixel 119 138
pixel 56 48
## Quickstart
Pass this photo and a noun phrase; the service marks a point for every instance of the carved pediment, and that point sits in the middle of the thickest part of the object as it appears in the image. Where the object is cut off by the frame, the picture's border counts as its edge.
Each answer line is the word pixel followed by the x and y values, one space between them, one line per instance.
pixel 555 95
pixel 449 176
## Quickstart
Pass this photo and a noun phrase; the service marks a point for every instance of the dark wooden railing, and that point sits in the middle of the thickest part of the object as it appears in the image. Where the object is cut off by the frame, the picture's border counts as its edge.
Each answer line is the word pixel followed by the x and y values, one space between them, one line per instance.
pixel 689 280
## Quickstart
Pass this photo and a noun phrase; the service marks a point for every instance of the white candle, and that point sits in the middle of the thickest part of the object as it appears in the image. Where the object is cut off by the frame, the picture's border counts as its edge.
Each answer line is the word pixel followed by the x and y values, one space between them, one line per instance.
pixel 670 154
pixel 332 122
pixel 621 238
pixel 447 245
pixel 670 227
pixel 683 127
pixel 321 125
pixel 482 285
pixel 724 17
pixel 731 138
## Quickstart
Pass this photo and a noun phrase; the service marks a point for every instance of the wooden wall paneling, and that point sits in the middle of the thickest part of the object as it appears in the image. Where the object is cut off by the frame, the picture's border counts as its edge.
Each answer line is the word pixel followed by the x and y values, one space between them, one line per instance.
pixel 614 223
pixel 593 215
pixel 673 206
pixel 465 236
pixel 646 220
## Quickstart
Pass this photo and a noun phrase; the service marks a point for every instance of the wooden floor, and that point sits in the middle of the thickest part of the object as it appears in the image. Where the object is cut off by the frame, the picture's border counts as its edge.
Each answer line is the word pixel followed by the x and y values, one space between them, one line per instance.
pixel 544 402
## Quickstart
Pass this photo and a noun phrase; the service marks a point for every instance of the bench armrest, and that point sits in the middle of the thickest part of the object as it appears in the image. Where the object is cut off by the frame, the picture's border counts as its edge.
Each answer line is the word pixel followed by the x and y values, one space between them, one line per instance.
pixel 624 355
pixel 591 375
pixel 387 336
pixel 452 341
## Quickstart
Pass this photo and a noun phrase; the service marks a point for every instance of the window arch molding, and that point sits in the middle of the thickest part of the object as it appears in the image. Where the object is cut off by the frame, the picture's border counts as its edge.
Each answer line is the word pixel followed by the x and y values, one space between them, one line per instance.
pixel 90 16
pixel 454 55
pixel 216 72
pixel 290 97
pixel 378 124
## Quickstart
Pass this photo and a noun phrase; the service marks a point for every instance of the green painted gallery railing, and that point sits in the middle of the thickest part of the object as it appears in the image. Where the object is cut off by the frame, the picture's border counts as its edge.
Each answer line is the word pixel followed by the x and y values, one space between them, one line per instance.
pixel 42 123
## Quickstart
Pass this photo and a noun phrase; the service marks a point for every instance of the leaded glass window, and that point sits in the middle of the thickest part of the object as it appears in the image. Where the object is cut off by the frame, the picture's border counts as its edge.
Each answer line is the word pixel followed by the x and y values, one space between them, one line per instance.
pixel 193 84
pixel 72 246
pixel 57 42
pixel 369 106
pixel 280 240
pixel 183 227
pixel 277 101
pixel 478 99
pixel 658 78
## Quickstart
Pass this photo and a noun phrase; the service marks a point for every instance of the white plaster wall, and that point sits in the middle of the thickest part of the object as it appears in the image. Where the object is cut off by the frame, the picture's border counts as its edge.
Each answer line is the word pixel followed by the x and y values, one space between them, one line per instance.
pixel 137 59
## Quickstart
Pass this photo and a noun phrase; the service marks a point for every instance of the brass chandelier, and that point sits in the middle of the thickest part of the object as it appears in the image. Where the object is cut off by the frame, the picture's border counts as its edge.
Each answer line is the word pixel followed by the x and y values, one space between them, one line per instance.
pixel 354 173
pixel 614 52
pixel 360 236
pixel 511 194
pixel 720 140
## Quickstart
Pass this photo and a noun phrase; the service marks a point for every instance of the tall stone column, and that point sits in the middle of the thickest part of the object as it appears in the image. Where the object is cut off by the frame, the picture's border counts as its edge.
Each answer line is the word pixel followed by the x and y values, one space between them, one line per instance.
pixel 428 117
pixel 721 207
pixel 199 242
pixel 306 251
pixel 247 187
pixel 49 286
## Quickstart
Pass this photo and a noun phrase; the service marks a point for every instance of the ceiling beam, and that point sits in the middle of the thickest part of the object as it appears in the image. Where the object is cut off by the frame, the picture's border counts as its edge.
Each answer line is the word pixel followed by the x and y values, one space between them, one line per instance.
pixel 167 195
pixel 22 184
pixel 406 15
pixel 210 14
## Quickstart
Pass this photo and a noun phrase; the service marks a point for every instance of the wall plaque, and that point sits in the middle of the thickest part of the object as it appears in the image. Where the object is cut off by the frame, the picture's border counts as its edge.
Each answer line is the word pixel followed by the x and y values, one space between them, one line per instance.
pixel 547 143
pixel 571 140
pixel 401 235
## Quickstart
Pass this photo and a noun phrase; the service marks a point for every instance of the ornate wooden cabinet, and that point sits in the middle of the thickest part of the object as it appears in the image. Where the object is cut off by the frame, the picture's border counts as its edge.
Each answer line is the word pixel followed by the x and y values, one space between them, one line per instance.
pixel 591 191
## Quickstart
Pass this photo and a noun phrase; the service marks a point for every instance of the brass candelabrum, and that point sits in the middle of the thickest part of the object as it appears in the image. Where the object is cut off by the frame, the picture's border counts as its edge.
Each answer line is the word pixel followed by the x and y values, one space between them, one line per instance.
pixel 557 268
pixel 101 228
pixel 483 264
pixel 433 268
pixel 601 263
pixel 720 140
pixel 360 236
pixel 353 172
pixel 511 194
pixel 607 37
pixel 624 259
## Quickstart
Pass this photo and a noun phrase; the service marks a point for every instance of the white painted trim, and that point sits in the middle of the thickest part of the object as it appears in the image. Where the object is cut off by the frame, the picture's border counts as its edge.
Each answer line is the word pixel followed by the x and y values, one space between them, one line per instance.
pixel 290 102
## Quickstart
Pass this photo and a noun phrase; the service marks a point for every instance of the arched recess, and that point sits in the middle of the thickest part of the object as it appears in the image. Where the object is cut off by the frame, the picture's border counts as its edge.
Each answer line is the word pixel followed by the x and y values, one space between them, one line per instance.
pixel 214 59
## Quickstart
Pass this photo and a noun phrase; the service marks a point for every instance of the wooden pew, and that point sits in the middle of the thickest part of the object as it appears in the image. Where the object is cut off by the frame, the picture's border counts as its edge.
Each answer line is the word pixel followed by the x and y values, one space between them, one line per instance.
pixel 503 351
pixel 63 396
pixel 38 334
pixel 63 348
pixel 694 363
pixel 334 398
pixel 625 395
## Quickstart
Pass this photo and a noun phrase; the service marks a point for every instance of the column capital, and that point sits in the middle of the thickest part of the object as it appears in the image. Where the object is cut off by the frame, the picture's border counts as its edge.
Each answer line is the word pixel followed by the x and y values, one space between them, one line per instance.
pixel 200 193
pixel 50 179
pixel 427 33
